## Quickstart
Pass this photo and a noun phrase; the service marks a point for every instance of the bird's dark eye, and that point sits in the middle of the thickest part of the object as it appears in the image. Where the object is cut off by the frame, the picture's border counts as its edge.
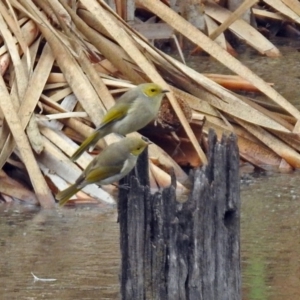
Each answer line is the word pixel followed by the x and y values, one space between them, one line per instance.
pixel 153 90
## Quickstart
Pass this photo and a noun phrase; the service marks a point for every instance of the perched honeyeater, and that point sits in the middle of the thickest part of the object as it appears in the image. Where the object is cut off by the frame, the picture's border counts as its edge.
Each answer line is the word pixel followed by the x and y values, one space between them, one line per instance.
pixel 133 111
pixel 111 165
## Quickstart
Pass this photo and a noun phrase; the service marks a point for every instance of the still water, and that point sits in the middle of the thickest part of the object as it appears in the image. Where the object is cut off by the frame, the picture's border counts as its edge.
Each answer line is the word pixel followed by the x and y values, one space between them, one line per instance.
pixel 80 247
pixel 77 247
pixel 270 237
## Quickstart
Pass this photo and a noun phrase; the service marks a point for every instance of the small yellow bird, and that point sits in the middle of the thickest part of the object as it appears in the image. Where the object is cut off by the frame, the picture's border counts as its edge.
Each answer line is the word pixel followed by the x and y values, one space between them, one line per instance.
pixel 111 165
pixel 133 111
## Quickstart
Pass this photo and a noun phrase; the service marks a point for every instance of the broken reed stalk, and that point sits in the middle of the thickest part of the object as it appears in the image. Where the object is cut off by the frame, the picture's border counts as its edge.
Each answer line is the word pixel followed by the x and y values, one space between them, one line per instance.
pixel 41 189
pixel 181 251
pixel 196 36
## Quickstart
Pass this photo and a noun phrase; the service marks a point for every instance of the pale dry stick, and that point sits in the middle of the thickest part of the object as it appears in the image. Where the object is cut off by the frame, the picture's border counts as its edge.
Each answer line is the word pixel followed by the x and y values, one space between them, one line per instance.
pixel 68 103
pixel 67 115
pixel 12 22
pixel 269 113
pixel 77 80
pixel 174 37
pixel 32 130
pixel 56 77
pixel 212 25
pixel 232 80
pixel 163 179
pixel 289 140
pixel 267 14
pixel 4 62
pixel 18 6
pixel 77 126
pixel 95 39
pixel 128 45
pixel 14 96
pixel 243 30
pixel 53 86
pixel 200 39
pixel 54 106
pixel 61 93
pixel 159 157
pixel 117 83
pixel 30 9
pixel 54 158
pixel 44 5
pixel 103 93
pixel 251 150
pixel 19 192
pixel 58 10
pixel 34 135
pixel 31 97
pixel 65 145
pixel 234 16
pixel 283 150
pixel 101 89
pixel 32 52
pixel 33 49
pixel 22 21
pixel 41 189
pixel 21 75
pixel 280 6
pixel 196 103
pixel 30 31
pixel 7 199
pixel 113 52
pixel 294 5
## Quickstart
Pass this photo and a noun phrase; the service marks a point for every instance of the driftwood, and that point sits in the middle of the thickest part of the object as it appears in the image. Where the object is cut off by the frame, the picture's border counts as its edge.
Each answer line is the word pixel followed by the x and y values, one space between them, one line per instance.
pixel 190 250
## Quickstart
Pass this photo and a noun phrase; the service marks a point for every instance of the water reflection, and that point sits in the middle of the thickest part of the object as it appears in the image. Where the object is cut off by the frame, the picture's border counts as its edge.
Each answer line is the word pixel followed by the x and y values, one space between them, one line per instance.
pixel 270 238
pixel 80 248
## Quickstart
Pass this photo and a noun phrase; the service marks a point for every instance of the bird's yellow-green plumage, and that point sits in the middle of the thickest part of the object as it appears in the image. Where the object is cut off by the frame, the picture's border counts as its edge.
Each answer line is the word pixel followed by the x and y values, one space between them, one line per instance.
pixel 111 165
pixel 133 111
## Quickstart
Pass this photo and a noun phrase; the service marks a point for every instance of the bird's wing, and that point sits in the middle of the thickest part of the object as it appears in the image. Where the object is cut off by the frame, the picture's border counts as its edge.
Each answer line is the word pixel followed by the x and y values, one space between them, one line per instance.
pixel 98 174
pixel 120 109
pixel 116 113
pixel 109 163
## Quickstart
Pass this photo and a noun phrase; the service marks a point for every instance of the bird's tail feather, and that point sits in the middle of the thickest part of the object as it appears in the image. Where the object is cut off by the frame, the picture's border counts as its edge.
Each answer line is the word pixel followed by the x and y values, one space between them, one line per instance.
pixel 66 194
pixel 89 141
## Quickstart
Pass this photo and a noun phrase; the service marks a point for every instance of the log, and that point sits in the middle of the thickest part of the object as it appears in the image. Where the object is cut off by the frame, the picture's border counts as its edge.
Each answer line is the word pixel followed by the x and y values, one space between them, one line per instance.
pixel 178 251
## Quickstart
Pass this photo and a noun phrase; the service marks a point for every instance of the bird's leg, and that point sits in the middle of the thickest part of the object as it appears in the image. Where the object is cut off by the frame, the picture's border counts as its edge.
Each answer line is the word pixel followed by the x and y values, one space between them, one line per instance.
pixel 124 186
pixel 177 148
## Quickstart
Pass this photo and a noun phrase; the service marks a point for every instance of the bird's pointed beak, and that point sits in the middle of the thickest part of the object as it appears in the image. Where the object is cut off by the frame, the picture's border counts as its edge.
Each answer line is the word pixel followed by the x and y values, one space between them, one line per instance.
pixel 146 140
pixel 165 91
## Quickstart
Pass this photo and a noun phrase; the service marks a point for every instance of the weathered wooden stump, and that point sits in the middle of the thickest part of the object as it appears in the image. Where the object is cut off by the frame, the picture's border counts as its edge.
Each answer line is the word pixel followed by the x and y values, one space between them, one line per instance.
pixel 183 251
